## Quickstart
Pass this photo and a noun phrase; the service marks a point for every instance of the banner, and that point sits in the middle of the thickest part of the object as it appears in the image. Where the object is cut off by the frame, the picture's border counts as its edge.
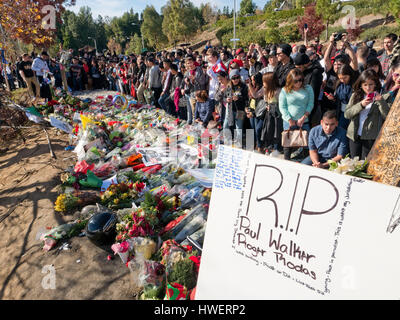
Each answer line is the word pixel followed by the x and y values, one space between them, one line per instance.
pixel 282 230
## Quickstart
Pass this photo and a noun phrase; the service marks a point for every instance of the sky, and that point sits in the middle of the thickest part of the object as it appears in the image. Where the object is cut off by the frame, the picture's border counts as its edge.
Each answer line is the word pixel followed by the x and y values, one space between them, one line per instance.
pixel 113 8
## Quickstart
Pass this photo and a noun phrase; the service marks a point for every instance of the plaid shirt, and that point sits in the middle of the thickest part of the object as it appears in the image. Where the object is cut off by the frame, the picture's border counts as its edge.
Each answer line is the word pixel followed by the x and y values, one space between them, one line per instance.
pixel 385 62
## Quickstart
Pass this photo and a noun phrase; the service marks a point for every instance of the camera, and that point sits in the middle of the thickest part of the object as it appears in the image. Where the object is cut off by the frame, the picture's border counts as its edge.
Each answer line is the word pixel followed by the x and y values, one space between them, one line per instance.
pixel 338 37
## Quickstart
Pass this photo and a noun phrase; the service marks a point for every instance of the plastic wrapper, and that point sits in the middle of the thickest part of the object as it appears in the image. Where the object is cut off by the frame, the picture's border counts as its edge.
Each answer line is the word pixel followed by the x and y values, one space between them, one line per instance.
pixel 180 268
pixel 148 276
pixel 83 167
pixel 191 227
pixel 60 232
pixel 144 246
pixel 197 236
pixel 199 210
pixel 104 170
pixel 194 196
pixel 176 291
pixel 91 181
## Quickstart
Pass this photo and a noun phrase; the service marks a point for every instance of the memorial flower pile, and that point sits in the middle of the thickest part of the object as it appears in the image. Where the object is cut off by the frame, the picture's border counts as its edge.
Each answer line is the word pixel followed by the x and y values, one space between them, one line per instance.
pixel 123 165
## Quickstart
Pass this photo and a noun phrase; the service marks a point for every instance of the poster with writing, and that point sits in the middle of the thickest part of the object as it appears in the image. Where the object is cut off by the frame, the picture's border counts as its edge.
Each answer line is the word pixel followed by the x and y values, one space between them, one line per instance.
pixel 283 230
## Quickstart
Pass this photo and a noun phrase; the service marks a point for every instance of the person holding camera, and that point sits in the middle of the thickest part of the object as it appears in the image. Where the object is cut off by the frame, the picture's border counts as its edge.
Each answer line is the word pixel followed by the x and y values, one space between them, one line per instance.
pixel 333 60
pixel 366 110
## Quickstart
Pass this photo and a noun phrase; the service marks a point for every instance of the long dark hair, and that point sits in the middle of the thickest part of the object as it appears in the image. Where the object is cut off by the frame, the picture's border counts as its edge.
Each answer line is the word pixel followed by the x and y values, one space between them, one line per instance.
pixel 365 76
pixel 346 70
pixel 375 62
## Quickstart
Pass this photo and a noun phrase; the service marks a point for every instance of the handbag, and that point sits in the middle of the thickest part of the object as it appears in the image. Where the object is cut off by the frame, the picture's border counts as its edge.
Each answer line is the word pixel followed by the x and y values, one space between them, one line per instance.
pixel 294 138
pixel 261 109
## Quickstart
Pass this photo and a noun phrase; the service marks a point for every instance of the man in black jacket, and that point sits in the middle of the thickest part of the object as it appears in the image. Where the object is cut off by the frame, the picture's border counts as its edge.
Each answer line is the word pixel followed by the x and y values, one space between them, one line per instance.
pixel 285 63
pixel 312 71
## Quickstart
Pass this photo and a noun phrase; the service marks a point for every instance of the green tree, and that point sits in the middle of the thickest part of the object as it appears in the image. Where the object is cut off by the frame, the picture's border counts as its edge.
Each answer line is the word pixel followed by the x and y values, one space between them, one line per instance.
pixel 100 33
pixel 272 34
pixel 394 6
pixel 329 12
pixel 152 27
pixel 77 28
pixel 125 27
pixel 209 13
pixel 247 7
pixel 179 21
pixel 134 45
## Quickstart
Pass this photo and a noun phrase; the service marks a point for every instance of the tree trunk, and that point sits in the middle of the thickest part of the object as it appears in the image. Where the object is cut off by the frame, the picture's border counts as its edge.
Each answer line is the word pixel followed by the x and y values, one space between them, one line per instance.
pixel 326 33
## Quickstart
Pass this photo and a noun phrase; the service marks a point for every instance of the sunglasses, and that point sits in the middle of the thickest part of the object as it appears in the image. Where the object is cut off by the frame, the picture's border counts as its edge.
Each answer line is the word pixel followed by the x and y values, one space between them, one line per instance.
pixel 235 78
pixel 298 80
pixel 396 74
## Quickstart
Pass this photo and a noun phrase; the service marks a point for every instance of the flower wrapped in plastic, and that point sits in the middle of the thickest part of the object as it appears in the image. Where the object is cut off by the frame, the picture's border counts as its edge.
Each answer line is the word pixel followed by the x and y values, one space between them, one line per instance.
pixel 352 167
pixel 135 224
pixel 66 202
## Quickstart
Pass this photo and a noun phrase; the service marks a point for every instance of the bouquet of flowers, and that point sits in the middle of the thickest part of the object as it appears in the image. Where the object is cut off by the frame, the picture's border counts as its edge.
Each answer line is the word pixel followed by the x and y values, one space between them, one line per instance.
pixel 119 196
pixel 136 224
pixel 352 167
pixel 66 202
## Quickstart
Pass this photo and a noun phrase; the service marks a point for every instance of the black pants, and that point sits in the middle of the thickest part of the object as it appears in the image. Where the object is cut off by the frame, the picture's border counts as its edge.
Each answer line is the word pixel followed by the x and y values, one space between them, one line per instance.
pixel 157 94
pixel 360 148
pixel 45 91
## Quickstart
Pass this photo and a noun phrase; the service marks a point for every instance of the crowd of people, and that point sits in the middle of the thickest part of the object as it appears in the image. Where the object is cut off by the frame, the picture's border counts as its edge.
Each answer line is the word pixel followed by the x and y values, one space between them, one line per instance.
pixel 339 93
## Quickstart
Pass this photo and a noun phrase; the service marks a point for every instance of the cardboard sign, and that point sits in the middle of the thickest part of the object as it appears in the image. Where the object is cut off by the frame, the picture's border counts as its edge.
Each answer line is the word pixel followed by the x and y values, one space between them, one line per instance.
pixel 384 162
pixel 282 230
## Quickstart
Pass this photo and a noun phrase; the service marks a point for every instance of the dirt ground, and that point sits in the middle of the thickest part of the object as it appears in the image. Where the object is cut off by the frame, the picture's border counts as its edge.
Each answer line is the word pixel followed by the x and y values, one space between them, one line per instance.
pixel 29 178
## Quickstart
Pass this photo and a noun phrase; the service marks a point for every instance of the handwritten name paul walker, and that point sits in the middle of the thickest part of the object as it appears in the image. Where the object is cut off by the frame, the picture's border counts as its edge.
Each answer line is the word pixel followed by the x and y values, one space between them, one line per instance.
pixel 283 252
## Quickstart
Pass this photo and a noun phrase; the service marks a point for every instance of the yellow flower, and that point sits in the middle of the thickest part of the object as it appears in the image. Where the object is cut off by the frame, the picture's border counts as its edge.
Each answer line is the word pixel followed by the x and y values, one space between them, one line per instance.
pixel 124 196
pixel 116 201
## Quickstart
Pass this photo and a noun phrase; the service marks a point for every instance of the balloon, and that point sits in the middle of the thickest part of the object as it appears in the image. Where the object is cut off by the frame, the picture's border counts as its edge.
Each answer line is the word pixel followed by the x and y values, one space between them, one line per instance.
pixel 122 100
pixel 132 103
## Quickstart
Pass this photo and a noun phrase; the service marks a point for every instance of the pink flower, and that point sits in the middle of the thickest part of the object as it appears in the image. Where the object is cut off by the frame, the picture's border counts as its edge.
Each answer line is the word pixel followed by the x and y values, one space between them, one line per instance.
pixel 124 246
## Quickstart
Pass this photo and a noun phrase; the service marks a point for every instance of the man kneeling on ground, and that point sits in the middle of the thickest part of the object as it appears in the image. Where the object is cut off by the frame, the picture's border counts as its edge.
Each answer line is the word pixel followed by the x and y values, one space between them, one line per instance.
pixel 326 141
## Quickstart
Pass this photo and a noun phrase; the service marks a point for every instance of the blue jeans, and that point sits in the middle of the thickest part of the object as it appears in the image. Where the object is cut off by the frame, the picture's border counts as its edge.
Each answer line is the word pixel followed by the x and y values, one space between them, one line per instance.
pixel 190 114
pixel 238 125
pixel 308 161
pixel 343 122
pixel 161 101
pixel 258 129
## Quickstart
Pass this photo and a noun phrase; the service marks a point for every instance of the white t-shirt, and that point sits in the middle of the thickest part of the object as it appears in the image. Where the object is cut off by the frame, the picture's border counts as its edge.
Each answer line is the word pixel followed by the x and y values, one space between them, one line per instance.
pixel 363 116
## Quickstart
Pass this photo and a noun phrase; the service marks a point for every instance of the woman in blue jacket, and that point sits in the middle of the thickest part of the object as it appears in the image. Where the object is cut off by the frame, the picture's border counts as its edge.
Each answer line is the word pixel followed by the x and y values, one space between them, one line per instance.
pixel 204 108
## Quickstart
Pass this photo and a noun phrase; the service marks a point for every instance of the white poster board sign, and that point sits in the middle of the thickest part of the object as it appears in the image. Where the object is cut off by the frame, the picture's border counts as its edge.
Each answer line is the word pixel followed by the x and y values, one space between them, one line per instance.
pixel 283 230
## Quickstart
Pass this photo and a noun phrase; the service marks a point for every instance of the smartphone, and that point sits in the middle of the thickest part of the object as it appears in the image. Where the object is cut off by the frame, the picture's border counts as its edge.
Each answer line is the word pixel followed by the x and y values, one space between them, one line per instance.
pixel 305 26
pixel 371 95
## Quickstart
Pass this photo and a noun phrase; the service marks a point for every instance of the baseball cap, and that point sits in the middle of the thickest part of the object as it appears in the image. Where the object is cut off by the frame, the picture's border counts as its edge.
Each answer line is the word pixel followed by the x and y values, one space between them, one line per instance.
pixel 301 59
pixel 233 73
pixel 239 51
